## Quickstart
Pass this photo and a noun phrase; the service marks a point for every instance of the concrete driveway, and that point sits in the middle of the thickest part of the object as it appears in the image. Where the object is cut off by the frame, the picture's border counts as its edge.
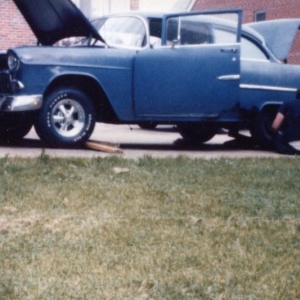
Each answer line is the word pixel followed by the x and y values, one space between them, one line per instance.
pixel 164 141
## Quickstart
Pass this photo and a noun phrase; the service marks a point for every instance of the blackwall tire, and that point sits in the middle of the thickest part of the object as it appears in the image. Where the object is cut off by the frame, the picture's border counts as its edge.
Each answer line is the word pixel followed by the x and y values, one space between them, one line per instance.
pixel 148 125
pixel 261 129
pixel 67 119
pixel 13 133
pixel 196 133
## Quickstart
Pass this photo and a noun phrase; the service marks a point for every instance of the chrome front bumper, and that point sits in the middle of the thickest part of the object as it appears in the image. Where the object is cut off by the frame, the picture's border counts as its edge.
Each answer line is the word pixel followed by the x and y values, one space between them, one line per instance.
pixel 20 103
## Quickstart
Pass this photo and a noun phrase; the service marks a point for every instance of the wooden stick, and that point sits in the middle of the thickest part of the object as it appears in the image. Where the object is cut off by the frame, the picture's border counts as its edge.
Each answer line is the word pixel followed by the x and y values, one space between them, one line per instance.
pixel 105 143
pixel 103 146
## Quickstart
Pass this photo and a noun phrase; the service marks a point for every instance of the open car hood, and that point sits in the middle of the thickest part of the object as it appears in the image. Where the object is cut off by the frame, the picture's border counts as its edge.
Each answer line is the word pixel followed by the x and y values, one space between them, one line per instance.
pixel 53 20
pixel 278 34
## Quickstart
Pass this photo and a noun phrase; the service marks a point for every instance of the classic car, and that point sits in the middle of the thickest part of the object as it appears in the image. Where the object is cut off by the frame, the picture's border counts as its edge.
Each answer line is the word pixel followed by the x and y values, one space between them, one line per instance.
pixel 201 70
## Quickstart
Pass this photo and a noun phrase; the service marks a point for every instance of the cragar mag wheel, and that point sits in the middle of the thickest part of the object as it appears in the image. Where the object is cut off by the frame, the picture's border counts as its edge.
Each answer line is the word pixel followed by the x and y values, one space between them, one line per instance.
pixel 67 118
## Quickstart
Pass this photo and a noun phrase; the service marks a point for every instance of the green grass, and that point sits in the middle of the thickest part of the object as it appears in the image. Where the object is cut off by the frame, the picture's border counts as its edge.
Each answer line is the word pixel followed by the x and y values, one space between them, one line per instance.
pixel 163 229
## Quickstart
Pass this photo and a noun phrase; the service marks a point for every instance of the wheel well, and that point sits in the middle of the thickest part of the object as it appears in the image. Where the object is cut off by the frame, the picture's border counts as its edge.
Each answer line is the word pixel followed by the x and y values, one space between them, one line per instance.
pixel 91 87
pixel 262 121
pixel 270 108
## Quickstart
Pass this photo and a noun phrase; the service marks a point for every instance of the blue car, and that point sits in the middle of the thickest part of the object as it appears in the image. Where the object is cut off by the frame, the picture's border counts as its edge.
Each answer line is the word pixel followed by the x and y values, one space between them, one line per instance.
pixel 201 70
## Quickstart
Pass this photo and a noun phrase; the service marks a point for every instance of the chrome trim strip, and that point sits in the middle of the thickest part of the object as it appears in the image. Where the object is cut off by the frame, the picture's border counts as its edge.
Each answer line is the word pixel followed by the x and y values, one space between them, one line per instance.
pixel 229 77
pixel 21 103
pixel 227 46
pixel 255 60
pixel 267 88
pixel 200 115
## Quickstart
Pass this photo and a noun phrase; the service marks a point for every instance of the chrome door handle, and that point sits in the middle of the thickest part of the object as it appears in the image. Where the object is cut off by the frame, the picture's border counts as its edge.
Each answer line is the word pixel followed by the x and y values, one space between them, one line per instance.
pixel 229 50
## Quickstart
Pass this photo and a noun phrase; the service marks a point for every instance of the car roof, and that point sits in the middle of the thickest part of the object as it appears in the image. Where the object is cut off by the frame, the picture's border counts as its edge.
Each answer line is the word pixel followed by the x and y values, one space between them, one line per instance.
pixel 54 20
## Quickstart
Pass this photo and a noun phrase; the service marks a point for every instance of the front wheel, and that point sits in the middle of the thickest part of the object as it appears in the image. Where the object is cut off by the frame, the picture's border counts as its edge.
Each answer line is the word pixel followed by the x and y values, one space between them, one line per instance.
pixel 196 133
pixel 11 133
pixel 66 119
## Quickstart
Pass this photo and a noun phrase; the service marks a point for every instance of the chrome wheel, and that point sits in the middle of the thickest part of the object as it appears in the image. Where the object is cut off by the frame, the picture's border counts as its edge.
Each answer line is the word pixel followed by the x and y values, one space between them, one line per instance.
pixel 68 118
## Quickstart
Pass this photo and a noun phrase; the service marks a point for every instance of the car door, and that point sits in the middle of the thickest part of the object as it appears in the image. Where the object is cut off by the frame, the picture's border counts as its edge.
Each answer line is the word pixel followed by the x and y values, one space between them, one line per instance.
pixel 194 74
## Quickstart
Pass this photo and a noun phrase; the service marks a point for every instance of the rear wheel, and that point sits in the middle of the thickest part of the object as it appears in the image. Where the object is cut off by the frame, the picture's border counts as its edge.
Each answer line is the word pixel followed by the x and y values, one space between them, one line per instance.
pixel 196 133
pixel 261 129
pixel 67 118
pixel 148 125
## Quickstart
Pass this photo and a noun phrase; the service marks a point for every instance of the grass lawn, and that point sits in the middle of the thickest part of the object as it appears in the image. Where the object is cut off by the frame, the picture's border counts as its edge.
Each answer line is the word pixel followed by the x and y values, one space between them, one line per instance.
pixel 109 228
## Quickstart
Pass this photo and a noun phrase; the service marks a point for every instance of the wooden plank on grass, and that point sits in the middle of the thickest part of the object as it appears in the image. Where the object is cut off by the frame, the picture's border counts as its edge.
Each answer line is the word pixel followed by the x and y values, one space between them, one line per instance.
pixel 103 146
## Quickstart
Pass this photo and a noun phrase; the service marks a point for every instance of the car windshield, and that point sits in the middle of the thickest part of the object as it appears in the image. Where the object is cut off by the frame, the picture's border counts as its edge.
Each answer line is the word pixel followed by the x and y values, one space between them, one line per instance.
pixel 123 31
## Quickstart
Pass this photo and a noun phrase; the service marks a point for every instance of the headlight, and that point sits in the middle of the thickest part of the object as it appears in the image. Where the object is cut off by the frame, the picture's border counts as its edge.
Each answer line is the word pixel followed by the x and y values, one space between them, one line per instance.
pixel 13 62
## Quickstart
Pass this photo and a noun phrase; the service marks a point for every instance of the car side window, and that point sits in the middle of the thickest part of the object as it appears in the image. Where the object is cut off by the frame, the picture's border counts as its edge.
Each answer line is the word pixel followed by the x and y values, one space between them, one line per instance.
pixel 199 29
pixel 223 36
pixel 155 31
pixel 188 30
